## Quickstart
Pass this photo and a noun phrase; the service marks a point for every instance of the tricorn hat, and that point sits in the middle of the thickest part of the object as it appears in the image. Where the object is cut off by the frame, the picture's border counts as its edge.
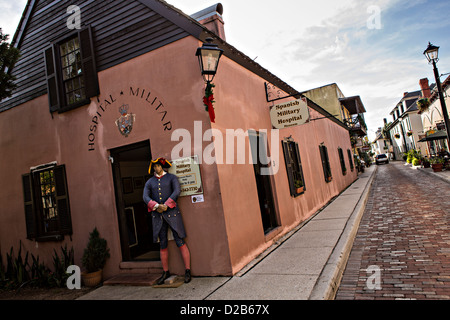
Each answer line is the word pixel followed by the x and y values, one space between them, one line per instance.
pixel 163 162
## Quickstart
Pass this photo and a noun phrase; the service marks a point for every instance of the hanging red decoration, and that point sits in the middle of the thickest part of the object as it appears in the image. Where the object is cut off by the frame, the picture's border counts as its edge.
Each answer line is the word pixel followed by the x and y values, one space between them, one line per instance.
pixel 208 100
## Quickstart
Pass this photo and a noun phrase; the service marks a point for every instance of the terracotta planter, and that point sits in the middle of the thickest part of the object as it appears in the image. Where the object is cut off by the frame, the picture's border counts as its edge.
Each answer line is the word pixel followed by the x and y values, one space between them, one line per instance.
pixel 437 167
pixel 92 279
pixel 299 190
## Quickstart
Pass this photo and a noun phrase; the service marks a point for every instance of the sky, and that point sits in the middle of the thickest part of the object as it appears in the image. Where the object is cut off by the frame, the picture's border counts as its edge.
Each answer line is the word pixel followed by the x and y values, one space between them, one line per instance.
pixel 373 49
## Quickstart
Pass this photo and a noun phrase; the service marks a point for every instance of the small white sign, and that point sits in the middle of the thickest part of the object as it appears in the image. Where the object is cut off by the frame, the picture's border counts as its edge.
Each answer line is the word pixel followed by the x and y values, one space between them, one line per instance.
pixel 197 198
pixel 289 114
pixel 188 172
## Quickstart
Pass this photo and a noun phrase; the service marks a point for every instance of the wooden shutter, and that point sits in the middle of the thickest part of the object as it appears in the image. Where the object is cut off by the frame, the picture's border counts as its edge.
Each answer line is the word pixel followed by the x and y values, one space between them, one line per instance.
pixel 62 199
pixel 322 157
pixel 88 63
pixel 289 170
pixel 350 160
pixel 327 162
pixel 28 198
pixel 52 80
pixel 341 159
pixel 300 165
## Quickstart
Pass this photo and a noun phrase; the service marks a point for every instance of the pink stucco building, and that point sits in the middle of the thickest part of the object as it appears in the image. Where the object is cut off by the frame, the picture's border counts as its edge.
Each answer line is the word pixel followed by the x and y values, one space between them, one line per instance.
pixel 74 170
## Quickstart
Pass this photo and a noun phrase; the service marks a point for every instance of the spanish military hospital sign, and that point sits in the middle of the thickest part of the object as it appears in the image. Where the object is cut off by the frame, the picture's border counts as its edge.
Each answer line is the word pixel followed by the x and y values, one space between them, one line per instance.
pixel 289 114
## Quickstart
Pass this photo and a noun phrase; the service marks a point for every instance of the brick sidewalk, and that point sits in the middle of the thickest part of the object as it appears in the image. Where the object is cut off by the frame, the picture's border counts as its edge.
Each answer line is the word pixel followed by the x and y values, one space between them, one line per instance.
pixel 405 234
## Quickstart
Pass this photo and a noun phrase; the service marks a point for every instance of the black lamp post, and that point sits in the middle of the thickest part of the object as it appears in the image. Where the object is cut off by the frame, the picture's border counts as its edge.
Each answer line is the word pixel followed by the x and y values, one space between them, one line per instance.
pixel 208 58
pixel 432 54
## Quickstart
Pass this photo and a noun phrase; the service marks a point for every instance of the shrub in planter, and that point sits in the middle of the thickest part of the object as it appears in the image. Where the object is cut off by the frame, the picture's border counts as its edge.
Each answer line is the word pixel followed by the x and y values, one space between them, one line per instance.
pixel 94 257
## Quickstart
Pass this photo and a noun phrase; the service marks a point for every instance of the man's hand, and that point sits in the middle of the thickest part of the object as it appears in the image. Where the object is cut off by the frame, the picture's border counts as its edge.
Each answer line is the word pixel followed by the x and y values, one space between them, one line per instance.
pixel 163 207
pixel 160 209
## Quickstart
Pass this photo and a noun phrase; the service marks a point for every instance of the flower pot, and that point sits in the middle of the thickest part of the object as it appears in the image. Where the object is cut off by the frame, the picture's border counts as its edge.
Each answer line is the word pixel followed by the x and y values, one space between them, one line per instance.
pixel 426 164
pixel 92 279
pixel 437 167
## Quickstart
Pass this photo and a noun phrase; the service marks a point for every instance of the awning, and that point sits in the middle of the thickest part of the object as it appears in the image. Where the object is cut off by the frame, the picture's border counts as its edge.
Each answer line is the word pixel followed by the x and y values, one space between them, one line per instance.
pixel 438 135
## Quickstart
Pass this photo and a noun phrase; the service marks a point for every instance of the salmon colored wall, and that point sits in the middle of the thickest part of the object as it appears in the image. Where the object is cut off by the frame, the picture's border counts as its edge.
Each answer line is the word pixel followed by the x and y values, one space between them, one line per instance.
pixel 225 232
pixel 32 137
pixel 240 103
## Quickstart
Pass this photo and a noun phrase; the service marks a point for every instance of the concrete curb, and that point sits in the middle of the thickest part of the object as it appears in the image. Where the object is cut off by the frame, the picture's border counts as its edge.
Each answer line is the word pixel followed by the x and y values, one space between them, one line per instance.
pixel 328 282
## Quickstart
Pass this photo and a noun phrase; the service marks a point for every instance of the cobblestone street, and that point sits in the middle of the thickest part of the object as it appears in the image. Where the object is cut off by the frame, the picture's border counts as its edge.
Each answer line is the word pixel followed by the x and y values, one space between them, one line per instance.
pixel 402 248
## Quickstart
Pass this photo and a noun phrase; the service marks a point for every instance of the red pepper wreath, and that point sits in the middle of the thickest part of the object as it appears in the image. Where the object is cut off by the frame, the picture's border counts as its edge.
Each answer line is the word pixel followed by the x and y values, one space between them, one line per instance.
pixel 208 100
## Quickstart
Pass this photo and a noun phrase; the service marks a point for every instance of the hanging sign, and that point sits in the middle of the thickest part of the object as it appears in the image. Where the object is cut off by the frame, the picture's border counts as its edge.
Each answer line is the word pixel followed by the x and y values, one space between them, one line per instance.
pixel 188 172
pixel 289 114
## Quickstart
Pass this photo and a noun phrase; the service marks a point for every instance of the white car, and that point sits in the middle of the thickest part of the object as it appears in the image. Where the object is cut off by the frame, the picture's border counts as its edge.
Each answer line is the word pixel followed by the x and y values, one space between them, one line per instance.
pixel 381 158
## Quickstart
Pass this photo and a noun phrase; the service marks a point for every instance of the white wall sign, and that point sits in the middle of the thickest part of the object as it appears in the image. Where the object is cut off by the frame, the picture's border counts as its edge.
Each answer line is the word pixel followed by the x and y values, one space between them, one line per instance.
pixel 289 114
pixel 188 172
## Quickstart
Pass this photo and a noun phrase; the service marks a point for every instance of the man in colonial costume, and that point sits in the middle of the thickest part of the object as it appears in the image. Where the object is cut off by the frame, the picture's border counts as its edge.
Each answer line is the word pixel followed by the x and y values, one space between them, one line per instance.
pixel 160 194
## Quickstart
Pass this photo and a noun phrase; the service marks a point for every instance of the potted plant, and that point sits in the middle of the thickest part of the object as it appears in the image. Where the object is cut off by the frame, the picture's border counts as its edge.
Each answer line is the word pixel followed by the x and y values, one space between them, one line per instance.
pixel 298 186
pixel 94 259
pixel 425 162
pixel 423 104
pixel 437 163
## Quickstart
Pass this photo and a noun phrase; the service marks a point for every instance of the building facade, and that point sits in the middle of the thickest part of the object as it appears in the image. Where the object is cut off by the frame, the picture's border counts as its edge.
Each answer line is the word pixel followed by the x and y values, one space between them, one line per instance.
pixel 94 105
pixel 406 125
pixel 432 117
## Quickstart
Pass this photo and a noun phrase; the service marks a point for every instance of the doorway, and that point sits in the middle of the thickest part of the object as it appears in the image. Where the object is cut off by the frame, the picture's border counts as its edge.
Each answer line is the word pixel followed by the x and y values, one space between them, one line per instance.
pixel 130 172
pixel 258 145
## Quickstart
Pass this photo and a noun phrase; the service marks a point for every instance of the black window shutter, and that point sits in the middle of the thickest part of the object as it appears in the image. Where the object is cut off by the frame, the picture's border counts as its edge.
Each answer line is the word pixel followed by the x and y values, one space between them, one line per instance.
pixel 52 81
pixel 300 165
pixel 62 199
pixel 88 63
pixel 341 159
pixel 322 157
pixel 350 159
pixel 290 174
pixel 28 198
pixel 327 162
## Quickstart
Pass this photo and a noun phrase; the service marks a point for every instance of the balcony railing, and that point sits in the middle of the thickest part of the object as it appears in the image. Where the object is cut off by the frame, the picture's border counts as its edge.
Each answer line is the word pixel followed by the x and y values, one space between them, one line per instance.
pixel 357 125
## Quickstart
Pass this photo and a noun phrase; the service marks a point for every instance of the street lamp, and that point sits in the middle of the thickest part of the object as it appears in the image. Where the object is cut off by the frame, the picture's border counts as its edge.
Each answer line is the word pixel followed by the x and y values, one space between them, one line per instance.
pixel 208 58
pixel 432 54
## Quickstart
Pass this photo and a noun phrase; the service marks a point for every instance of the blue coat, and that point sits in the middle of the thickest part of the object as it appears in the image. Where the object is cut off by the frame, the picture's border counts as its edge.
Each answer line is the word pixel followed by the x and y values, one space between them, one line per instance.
pixel 164 191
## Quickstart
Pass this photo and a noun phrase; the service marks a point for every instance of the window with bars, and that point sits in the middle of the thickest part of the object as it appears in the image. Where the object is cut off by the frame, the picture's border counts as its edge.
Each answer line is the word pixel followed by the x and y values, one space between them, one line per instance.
pixel 46 200
pixel 293 167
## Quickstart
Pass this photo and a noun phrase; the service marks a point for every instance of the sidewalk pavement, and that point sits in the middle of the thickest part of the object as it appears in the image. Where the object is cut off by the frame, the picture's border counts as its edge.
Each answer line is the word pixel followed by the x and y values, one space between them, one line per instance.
pixel 443 175
pixel 307 263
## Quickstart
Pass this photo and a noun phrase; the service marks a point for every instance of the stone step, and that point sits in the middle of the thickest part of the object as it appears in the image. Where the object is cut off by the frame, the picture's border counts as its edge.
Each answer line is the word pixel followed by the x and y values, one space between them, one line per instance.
pixel 141 267
pixel 132 279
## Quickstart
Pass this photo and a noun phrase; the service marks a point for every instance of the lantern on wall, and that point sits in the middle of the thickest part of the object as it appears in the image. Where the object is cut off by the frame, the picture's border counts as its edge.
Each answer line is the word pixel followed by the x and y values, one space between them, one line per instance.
pixel 208 58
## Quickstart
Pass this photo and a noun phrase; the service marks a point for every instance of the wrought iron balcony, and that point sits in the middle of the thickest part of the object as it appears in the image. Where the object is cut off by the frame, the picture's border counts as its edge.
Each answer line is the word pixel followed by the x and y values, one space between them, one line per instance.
pixel 357 125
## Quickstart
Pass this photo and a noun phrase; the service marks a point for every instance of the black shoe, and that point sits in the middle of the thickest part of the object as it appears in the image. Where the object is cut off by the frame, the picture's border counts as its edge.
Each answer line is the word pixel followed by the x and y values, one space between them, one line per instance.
pixel 165 275
pixel 187 276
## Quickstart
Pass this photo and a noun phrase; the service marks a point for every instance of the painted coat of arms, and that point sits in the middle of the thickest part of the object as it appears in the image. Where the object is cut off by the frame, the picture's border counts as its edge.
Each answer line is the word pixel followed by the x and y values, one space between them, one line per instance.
pixel 126 120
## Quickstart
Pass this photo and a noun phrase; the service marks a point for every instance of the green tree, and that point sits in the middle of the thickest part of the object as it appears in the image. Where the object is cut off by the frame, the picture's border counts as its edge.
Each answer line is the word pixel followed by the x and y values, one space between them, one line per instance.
pixel 8 57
